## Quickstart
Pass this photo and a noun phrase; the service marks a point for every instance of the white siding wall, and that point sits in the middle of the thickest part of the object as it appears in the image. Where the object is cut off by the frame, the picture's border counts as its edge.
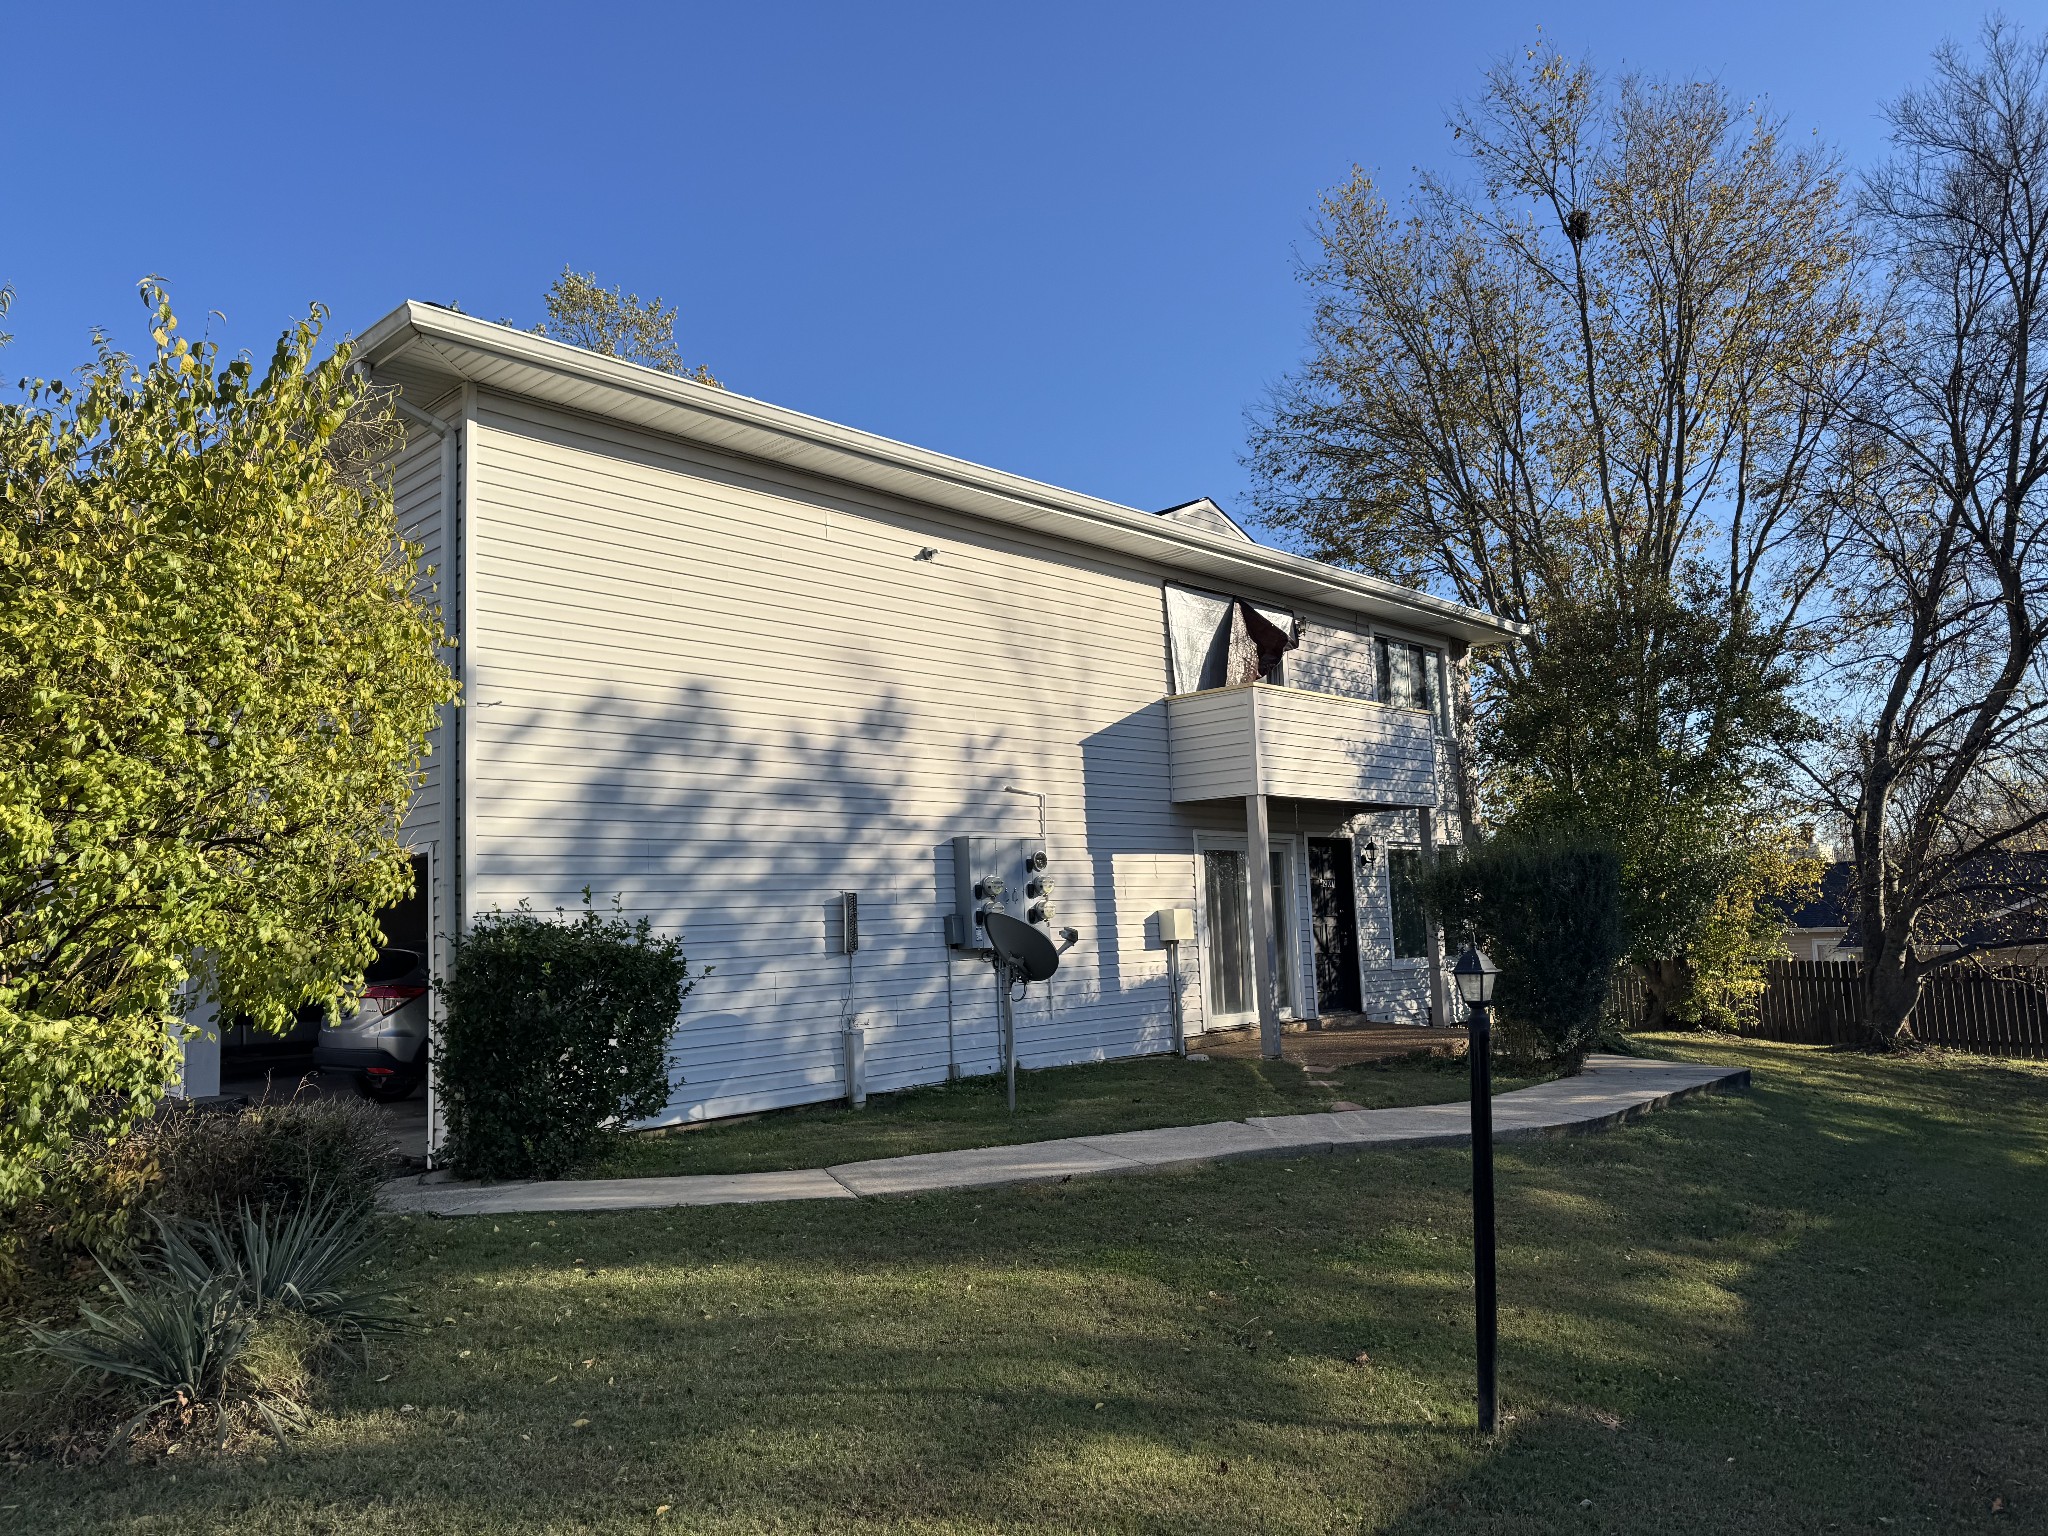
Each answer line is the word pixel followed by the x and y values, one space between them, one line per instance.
pixel 726 698
pixel 726 695
pixel 1335 656
pixel 1319 748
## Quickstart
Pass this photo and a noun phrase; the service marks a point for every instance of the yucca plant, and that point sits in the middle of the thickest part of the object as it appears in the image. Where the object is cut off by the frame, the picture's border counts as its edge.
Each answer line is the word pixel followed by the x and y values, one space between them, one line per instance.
pixel 298 1260
pixel 172 1345
pixel 178 1338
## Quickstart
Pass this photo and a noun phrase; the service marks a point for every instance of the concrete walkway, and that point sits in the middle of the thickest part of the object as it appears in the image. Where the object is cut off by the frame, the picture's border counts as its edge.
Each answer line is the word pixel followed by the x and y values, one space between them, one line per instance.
pixel 1610 1090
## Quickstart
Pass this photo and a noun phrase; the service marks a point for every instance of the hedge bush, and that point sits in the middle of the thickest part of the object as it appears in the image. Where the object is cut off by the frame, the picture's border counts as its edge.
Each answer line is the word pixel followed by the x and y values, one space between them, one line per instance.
pixel 555 1033
pixel 1549 915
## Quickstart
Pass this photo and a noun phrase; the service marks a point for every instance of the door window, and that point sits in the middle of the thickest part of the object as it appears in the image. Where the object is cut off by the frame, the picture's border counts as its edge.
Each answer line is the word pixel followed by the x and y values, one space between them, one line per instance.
pixel 1230 932
pixel 1226 886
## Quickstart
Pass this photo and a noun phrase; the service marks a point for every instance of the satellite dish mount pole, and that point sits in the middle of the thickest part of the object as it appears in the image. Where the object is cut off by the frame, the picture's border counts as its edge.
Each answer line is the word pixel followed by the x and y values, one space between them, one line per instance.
pixel 1008 979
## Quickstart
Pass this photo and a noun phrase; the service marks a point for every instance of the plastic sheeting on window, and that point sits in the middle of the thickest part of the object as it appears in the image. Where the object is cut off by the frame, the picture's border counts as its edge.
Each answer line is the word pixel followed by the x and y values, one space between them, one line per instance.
pixel 1217 641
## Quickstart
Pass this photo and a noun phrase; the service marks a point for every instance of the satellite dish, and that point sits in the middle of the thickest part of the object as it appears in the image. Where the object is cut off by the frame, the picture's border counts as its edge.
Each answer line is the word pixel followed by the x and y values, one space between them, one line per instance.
pixel 1021 948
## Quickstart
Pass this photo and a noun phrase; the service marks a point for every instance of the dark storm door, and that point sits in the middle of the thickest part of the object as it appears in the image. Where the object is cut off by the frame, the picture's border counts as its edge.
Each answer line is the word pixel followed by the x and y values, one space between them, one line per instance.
pixel 1333 918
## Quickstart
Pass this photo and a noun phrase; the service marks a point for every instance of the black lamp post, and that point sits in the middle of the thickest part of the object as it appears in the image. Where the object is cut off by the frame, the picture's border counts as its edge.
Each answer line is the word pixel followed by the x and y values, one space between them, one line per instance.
pixel 1474 975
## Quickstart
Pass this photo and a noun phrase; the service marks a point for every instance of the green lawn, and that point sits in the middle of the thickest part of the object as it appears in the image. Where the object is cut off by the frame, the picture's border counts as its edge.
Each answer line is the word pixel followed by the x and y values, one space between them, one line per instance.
pixel 1818 1306
pixel 1060 1101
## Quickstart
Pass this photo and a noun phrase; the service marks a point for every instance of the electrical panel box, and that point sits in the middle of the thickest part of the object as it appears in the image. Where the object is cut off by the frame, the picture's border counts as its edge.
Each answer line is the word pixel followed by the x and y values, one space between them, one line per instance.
pixel 849 922
pixel 1177 925
pixel 998 874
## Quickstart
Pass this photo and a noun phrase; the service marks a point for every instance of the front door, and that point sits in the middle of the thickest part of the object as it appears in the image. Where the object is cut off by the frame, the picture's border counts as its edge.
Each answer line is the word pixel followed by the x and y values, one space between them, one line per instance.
pixel 1333 919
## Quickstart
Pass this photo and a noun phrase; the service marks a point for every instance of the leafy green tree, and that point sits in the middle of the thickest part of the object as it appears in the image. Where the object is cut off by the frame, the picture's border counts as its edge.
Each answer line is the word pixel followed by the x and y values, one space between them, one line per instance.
pixel 585 313
pixel 1654 750
pixel 217 675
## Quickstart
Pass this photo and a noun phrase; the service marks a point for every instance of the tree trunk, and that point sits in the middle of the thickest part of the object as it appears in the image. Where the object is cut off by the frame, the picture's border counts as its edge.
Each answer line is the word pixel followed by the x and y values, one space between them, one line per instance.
pixel 1464 745
pixel 1891 986
pixel 1666 981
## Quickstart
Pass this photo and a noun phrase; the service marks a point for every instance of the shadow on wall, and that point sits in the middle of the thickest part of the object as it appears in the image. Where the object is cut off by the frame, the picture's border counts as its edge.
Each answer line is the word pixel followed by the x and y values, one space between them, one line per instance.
pixel 737 820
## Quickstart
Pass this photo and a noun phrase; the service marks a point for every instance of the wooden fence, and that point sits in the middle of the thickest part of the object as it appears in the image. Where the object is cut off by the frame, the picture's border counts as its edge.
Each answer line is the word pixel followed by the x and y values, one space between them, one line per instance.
pixel 2001 1011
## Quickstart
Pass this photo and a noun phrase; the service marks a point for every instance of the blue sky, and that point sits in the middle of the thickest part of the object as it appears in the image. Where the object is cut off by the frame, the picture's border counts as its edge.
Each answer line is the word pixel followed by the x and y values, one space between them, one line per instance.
pixel 1057 239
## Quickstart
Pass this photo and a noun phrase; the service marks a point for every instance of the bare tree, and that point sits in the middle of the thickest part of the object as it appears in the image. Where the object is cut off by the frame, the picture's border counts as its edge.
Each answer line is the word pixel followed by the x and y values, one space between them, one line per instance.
pixel 1592 389
pixel 1603 368
pixel 1940 767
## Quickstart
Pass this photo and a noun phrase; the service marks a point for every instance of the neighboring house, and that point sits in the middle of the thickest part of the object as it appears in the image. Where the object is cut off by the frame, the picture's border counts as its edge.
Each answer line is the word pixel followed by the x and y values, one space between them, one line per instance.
pixel 2006 905
pixel 731 662
pixel 1819 929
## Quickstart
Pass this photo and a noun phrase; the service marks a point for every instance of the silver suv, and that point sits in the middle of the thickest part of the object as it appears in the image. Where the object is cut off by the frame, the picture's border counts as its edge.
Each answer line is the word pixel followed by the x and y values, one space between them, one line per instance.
pixel 384 1042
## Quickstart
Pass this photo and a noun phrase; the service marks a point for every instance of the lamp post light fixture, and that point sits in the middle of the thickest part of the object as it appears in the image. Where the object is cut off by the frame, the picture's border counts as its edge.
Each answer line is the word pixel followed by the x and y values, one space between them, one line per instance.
pixel 1474 974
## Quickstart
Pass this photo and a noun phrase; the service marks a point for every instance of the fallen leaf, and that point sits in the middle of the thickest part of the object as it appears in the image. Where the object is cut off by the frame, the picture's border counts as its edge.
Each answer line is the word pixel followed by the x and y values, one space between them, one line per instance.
pixel 382 1379
pixel 462 1354
pixel 589 1363
pixel 661 1509
pixel 578 1423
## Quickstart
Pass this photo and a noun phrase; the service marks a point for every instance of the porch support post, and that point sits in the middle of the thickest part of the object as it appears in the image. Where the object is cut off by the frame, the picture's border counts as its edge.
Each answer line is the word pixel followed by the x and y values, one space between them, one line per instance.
pixel 1439 1015
pixel 1264 939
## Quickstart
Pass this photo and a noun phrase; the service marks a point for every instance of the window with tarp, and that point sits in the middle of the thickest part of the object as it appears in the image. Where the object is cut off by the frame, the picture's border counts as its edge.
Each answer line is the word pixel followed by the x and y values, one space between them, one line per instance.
pixel 1216 641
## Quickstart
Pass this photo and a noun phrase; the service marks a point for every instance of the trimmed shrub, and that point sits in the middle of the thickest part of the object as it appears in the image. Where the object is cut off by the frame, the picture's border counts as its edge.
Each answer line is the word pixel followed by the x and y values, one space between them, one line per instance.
pixel 1549 915
pixel 555 1035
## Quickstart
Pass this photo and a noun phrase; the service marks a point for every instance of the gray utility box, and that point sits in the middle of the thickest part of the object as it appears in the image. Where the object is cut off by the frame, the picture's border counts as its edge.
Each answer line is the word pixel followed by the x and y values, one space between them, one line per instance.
pixel 999 874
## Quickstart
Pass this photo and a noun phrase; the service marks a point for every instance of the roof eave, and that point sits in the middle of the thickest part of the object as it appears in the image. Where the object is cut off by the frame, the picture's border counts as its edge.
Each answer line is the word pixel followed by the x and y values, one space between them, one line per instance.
pixel 755 428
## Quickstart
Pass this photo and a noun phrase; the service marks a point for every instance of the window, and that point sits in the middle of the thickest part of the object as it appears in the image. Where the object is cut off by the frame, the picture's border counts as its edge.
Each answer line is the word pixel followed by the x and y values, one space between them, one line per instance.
pixel 1407 675
pixel 1227 888
pixel 1411 927
pixel 1230 933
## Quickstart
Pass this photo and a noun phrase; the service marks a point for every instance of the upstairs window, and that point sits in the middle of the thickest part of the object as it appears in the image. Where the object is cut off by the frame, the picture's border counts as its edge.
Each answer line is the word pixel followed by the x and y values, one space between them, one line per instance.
pixel 1407 675
pixel 1217 642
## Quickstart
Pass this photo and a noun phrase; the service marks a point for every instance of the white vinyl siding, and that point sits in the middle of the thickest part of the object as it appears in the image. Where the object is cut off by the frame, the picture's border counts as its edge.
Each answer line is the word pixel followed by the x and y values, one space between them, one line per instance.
pixel 422 519
pixel 725 693
pixel 726 699
pixel 1335 656
pixel 1259 739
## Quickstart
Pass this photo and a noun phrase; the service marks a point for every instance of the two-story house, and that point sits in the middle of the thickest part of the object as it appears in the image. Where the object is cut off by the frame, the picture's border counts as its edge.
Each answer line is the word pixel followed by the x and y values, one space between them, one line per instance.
pixel 731 663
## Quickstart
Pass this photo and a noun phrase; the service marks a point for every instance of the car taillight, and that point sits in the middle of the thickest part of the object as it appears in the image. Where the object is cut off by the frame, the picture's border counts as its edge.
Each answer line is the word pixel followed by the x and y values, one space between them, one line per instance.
pixel 391 996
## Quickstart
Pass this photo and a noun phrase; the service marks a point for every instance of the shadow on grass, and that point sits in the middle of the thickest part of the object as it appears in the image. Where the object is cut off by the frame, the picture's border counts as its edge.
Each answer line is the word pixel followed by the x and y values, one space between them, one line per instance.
pixel 1835 1281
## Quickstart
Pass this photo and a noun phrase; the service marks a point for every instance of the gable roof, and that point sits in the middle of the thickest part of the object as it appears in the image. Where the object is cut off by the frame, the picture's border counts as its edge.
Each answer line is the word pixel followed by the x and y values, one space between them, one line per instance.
pixel 1204 514
pixel 426 351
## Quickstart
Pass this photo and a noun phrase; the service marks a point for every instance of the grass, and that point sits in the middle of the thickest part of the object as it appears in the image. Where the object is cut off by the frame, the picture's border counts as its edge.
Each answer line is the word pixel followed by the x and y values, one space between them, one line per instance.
pixel 1059 1101
pixel 1818 1306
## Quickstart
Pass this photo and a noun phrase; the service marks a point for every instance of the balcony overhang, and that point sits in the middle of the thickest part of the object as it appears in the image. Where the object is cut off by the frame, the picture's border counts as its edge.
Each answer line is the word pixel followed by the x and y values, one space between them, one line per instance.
pixel 1257 739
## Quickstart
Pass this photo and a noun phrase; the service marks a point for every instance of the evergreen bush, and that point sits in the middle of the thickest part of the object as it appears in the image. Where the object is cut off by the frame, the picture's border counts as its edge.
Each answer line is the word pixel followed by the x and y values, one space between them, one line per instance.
pixel 555 1034
pixel 1549 915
